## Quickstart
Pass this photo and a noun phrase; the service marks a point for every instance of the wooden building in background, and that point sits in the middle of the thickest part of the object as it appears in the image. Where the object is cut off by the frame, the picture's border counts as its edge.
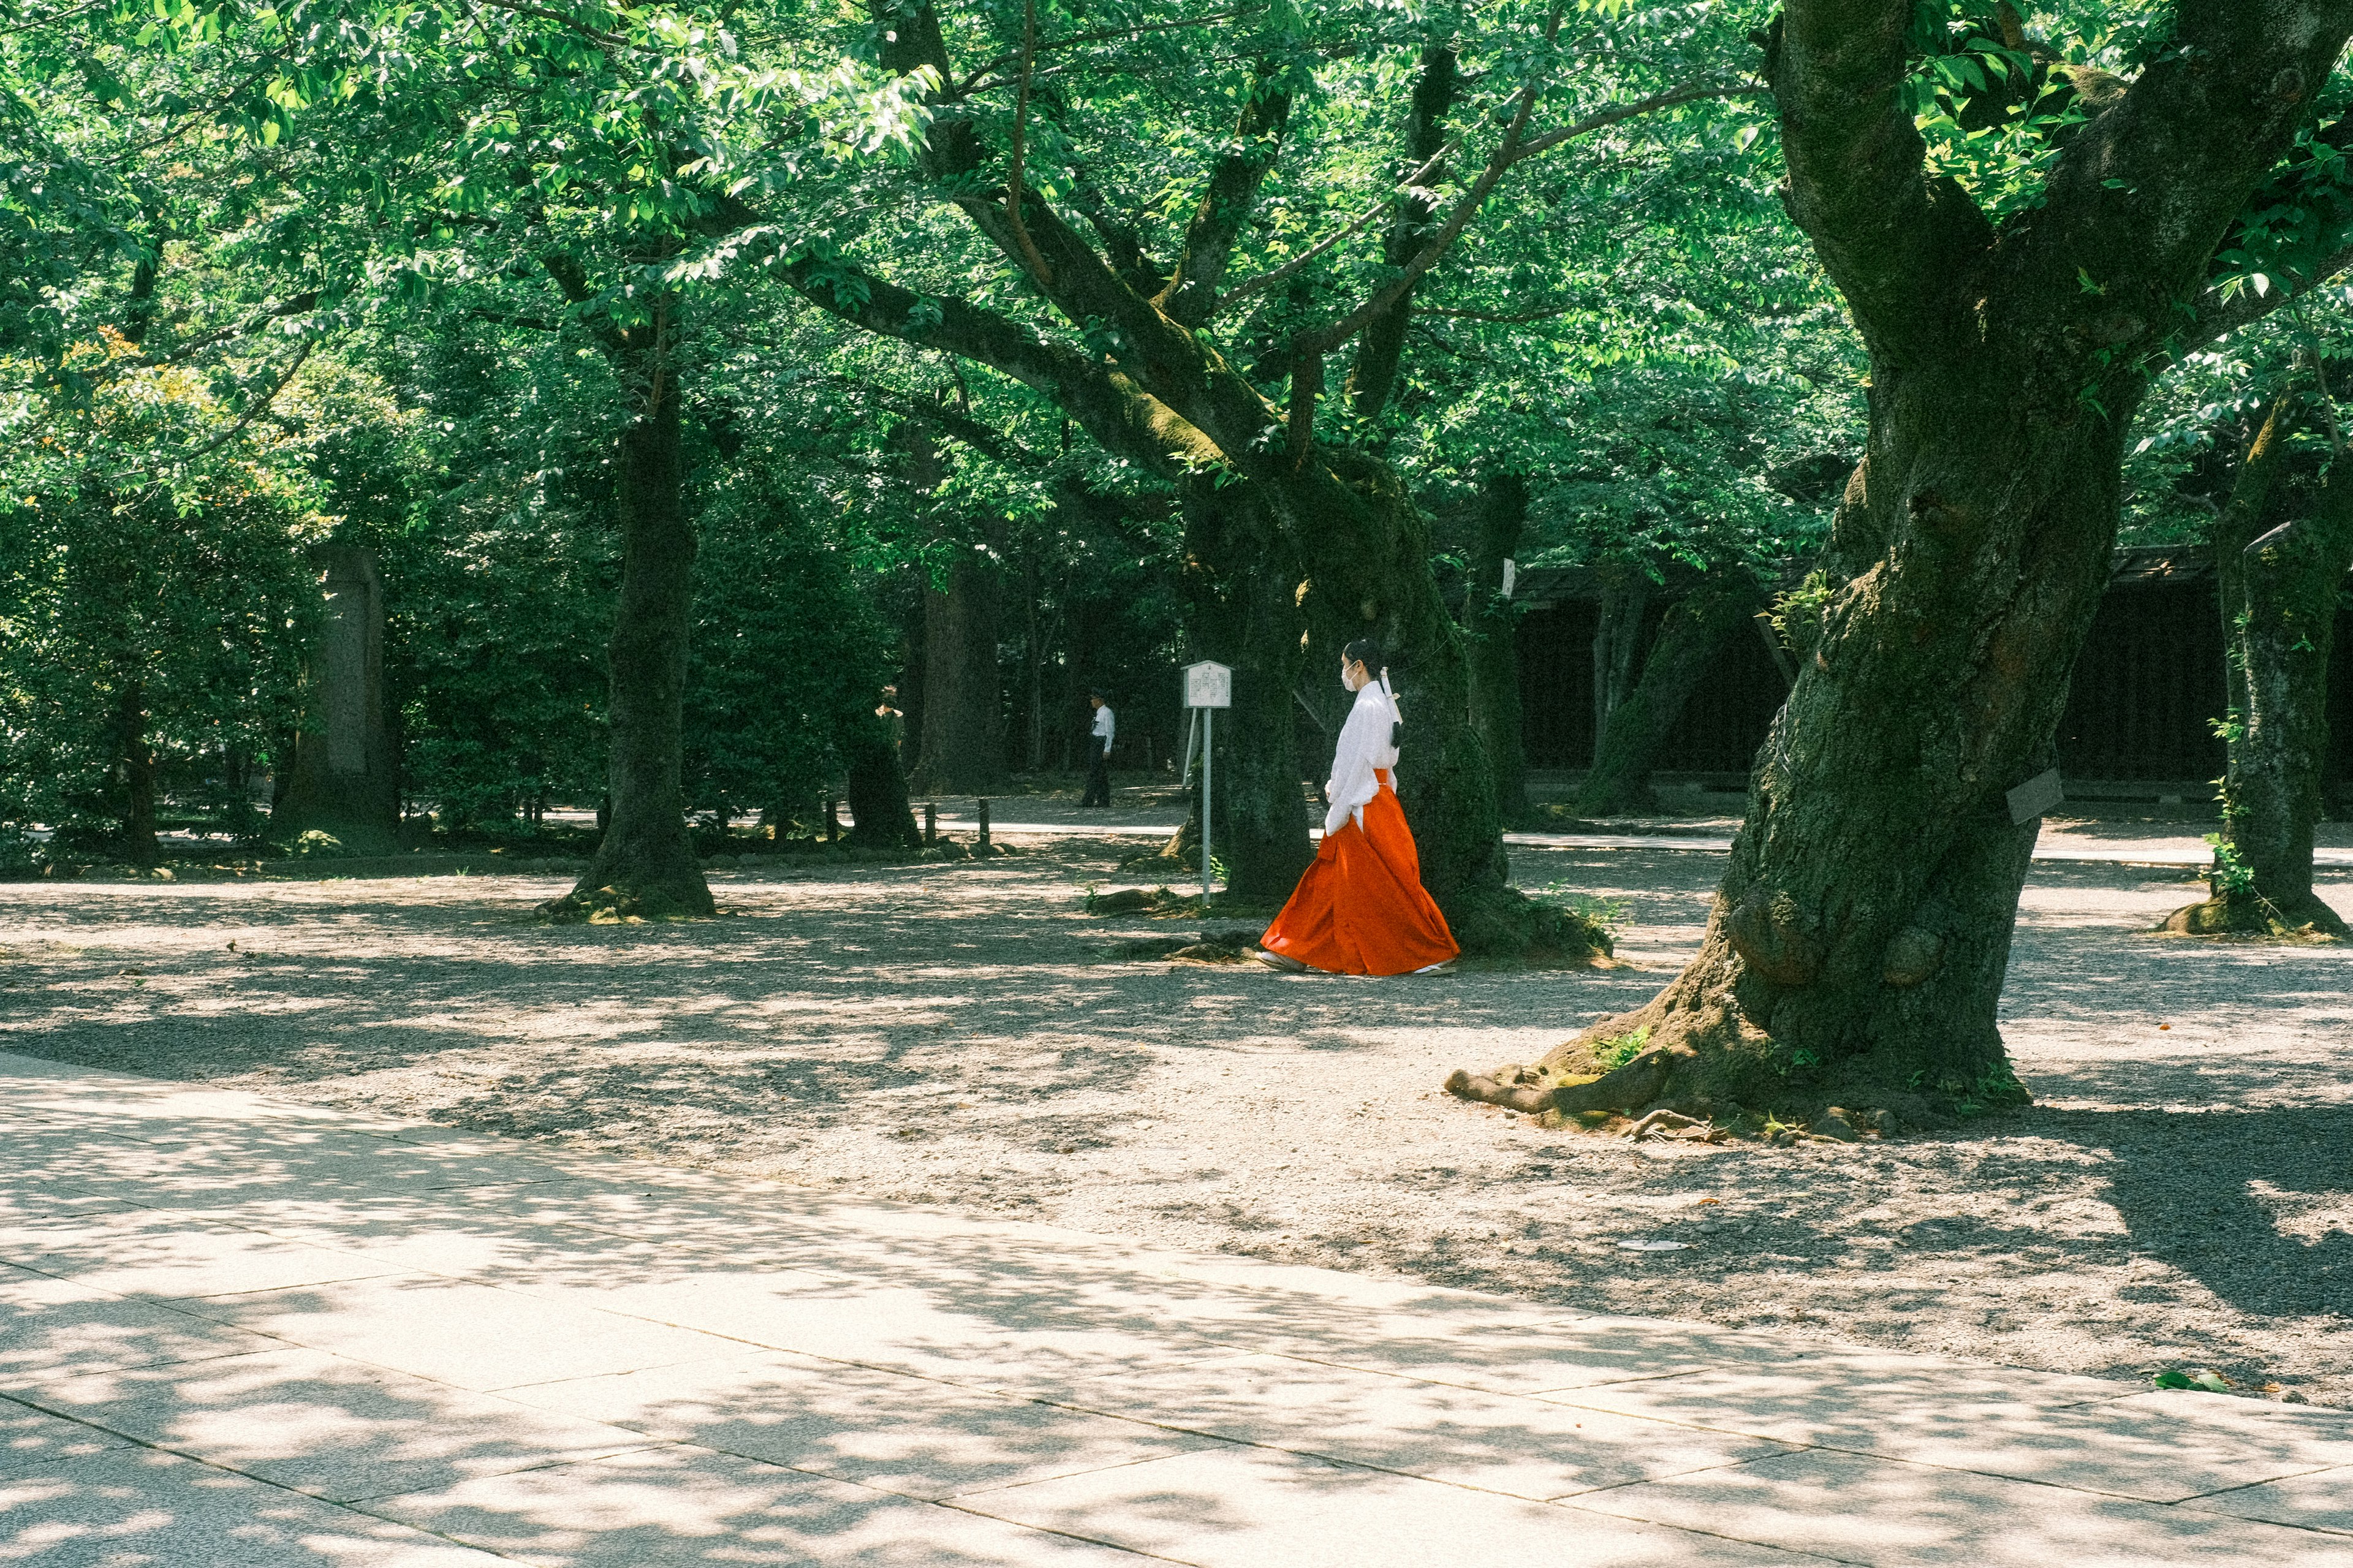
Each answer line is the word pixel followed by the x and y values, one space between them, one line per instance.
pixel 2139 716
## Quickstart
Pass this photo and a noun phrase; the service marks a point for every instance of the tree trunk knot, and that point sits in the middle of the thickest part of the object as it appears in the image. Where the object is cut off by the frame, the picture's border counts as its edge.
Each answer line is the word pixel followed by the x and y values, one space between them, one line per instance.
pixel 1768 933
pixel 1913 956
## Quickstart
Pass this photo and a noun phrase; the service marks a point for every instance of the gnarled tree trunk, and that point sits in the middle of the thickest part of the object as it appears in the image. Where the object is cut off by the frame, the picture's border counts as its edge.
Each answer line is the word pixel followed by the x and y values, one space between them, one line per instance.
pixel 1856 949
pixel 1242 602
pixel 1694 630
pixel 2282 549
pixel 1491 645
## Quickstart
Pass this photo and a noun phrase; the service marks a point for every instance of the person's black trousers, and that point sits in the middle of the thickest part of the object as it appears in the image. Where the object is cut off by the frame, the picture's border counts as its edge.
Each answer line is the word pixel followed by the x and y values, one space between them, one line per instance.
pixel 1098 780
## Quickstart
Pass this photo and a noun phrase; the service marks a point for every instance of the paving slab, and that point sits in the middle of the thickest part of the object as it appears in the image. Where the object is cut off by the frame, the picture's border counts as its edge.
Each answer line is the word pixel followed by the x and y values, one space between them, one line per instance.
pixel 2160 1448
pixel 454 1331
pixel 138 1508
pixel 322 1425
pixel 679 1507
pixel 51 1325
pixel 886 1430
pixel 33 1441
pixel 1472 1438
pixel 1860 1510
pixel 147 1252
pixel 1245 1508
pixel 2321 1499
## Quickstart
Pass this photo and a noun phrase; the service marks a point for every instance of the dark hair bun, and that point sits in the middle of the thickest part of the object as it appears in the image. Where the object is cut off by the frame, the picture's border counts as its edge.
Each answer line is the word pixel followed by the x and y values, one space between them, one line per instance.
pixel 1364 651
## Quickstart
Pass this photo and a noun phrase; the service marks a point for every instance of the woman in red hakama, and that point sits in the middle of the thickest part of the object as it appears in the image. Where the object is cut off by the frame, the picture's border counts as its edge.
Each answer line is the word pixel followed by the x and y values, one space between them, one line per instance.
pixel 1361 908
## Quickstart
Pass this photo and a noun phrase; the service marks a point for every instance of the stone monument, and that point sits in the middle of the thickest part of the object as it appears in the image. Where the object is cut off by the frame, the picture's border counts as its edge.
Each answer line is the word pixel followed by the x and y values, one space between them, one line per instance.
pixel 345 778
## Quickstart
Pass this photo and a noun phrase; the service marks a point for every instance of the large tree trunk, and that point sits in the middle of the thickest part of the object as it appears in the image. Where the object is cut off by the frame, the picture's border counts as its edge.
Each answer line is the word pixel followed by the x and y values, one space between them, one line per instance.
pixel 1491 645
pixel 879 813
pixel 1243 609
pixel 1693 633
pixel 1366 552
pixel 2281 552
pixel 644 864
pixel 964 719
pixel 1856 949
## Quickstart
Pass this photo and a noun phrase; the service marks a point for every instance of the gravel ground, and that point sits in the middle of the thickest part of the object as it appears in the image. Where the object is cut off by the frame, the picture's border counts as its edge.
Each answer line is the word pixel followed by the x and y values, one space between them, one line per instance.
pixel 2182 1194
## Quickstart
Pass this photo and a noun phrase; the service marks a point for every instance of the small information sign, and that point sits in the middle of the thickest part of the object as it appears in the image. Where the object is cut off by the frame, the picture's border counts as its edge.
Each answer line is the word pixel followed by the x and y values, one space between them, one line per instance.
pixel 2035 797
pixel 1209 685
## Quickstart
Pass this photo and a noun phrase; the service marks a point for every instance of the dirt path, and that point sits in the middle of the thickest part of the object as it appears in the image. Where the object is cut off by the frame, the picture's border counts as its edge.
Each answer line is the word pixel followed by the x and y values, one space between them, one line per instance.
pixel 955 1034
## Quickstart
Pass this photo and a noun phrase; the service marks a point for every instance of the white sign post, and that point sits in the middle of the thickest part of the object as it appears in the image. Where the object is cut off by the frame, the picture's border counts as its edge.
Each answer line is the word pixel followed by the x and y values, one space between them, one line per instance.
pixel 1207 687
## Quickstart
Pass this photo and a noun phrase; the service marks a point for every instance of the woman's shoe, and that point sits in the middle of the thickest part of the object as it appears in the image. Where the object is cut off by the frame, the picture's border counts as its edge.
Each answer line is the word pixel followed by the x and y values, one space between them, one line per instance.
pixel 1279 961
pixel 1445 966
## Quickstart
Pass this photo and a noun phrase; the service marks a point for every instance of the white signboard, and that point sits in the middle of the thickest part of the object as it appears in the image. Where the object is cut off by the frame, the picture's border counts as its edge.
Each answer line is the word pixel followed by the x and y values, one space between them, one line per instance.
pixel 1209 685
pixel 2035 797
pixel 1511 576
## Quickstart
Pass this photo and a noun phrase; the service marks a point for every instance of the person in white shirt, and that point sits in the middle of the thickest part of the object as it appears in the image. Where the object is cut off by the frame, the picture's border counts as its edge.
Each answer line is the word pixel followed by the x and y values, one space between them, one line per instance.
pixel 1361 908
pixel 1099 752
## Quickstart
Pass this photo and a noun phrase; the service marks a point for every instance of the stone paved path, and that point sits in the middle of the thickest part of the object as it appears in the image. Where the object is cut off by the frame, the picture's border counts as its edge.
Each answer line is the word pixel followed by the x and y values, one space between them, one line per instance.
pixel 242 1333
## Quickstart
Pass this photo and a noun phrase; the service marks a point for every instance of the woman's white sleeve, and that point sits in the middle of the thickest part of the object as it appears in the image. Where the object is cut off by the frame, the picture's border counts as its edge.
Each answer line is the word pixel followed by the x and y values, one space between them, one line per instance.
pixel 1352 784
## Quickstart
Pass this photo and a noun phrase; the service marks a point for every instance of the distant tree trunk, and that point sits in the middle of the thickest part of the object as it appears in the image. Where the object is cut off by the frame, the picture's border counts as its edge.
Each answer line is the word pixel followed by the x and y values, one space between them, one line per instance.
pixel 1617 640
pixel 137 758
pixel 1491 647
pixel 880 814
pixel 646 858
pixel 1693 632
pixel 964 721
pixel 2281 552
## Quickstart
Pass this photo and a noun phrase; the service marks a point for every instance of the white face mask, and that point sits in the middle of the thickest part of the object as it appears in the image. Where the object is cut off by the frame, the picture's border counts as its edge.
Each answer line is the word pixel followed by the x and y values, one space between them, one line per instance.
pixel 1345 684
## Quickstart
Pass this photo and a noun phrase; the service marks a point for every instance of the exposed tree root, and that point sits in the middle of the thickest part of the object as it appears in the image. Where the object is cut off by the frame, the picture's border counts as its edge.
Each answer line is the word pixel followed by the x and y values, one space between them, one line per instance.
pixel 2294 918
pixel 1503 922
pixel 1706 1074
pixel 624 906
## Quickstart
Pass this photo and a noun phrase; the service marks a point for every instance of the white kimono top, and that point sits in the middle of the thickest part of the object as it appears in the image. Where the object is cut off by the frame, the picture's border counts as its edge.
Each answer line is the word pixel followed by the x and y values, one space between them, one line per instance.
pixel 1363 746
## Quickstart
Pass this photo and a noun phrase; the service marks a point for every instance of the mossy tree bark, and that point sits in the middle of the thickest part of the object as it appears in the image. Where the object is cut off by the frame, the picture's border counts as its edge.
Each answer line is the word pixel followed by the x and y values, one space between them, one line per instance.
pixel 1249 618
pixel 1857 945
pixel 2282 548
pixel 1490 640
pixel 644 864
pixel 1693 632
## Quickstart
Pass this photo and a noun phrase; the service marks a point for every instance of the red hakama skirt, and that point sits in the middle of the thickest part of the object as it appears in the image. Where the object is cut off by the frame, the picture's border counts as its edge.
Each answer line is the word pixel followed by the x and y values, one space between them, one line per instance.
pixel 1361 909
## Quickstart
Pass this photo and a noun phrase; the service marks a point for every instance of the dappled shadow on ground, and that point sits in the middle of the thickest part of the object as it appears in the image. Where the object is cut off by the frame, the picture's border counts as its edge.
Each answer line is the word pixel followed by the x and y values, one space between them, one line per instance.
pixel 583 1363
pixel 959 1034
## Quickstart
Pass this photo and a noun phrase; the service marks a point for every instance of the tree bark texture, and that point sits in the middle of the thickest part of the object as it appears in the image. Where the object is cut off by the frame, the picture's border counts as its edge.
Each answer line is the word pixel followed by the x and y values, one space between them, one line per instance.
pixel 644 864
pixel 1857 946
pixel 1491 644
pixel 963 746
pixel 1694 631
pixel 2282 549
pixel 1617 639
pixel 1241 598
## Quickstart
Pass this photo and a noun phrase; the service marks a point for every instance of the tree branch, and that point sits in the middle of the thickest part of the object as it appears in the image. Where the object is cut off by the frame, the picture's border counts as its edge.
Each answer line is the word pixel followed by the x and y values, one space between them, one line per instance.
pixel 1028 248
pixel 975 82
pixel 1857 184
pixel 1119 415
pixel 1191 296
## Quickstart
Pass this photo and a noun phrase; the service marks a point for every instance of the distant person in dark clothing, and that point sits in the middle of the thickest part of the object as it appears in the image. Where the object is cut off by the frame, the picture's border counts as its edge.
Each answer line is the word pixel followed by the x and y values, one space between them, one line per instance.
pixel 1099 752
